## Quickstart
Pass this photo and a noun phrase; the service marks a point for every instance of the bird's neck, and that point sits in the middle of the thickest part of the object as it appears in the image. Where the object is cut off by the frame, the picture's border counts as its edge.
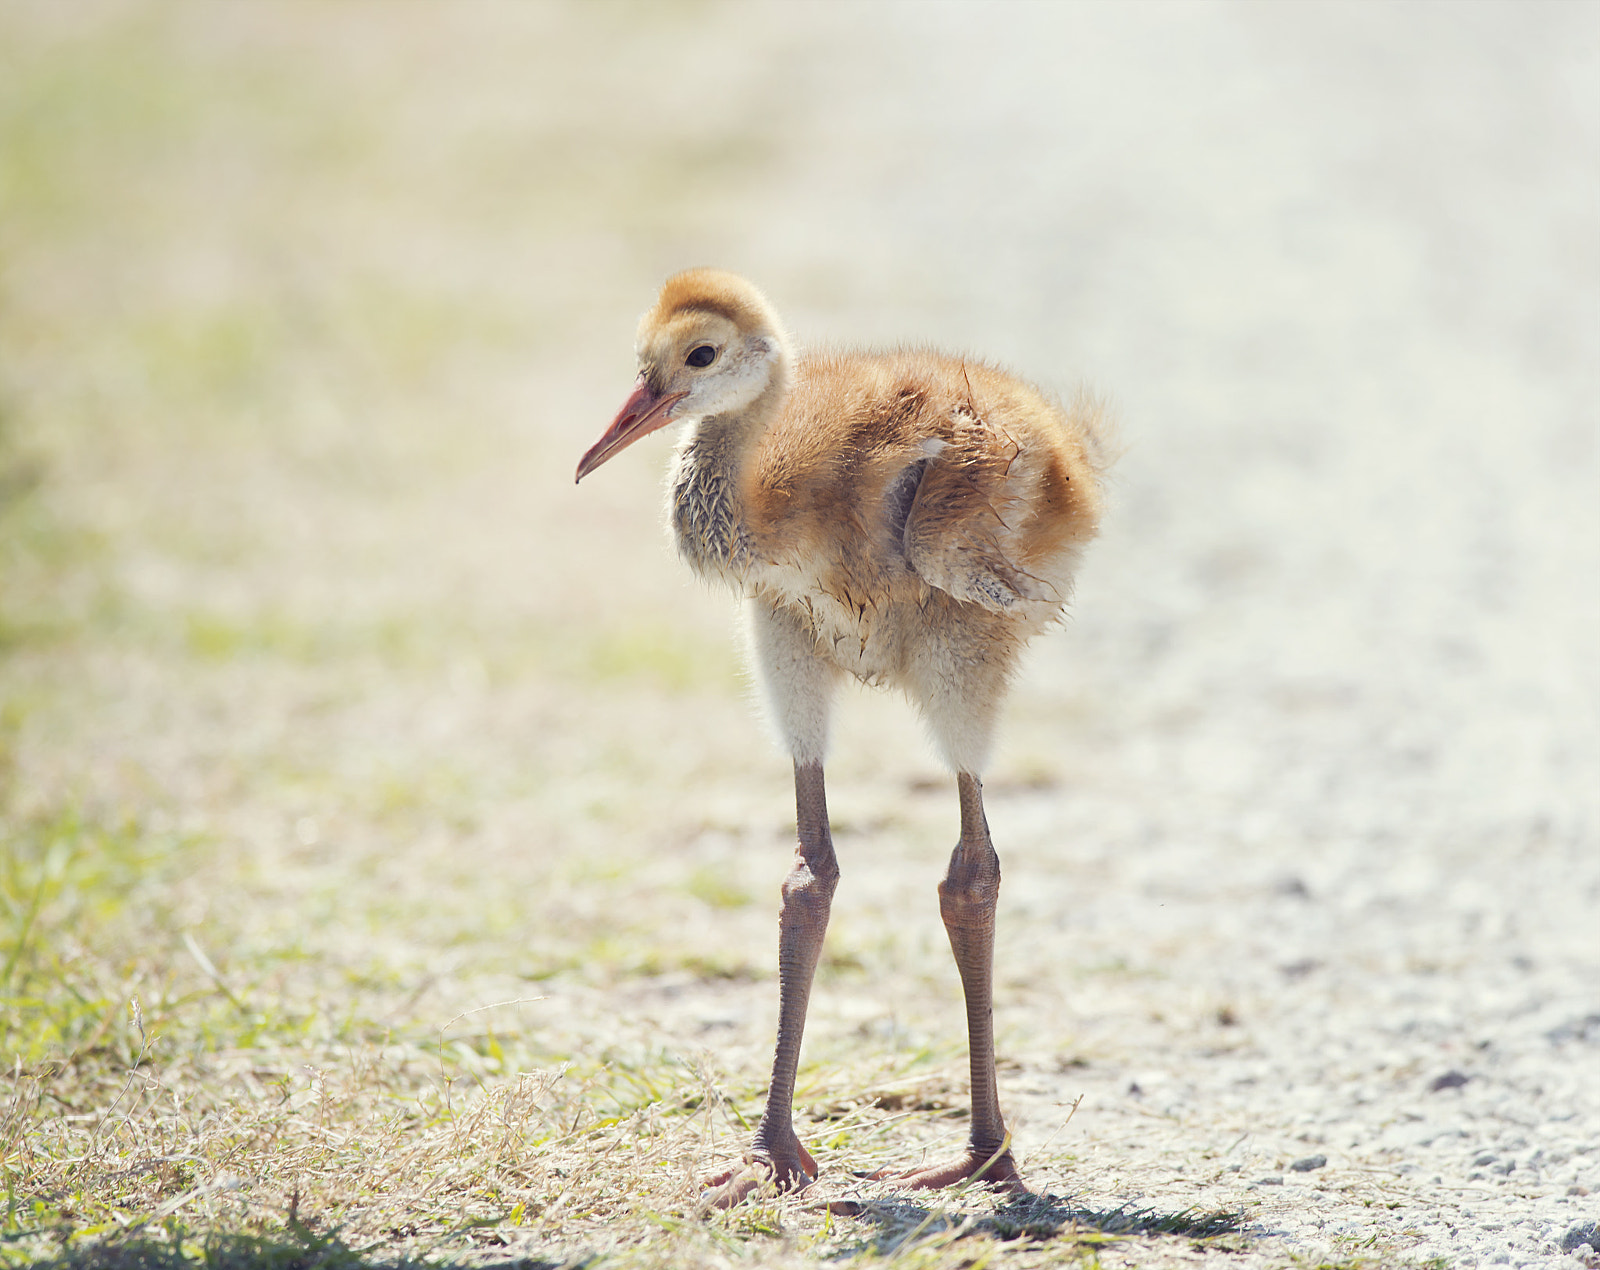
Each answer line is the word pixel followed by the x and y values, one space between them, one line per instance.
pixel 703 496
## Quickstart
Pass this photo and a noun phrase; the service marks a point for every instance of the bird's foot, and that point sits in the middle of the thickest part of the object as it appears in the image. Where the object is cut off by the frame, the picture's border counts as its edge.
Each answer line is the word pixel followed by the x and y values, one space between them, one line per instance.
pixel 785 1168
pixel 996 1169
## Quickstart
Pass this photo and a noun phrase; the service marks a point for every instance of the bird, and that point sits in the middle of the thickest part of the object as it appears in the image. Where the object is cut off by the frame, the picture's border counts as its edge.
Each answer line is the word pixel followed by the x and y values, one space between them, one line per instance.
pixel 902 517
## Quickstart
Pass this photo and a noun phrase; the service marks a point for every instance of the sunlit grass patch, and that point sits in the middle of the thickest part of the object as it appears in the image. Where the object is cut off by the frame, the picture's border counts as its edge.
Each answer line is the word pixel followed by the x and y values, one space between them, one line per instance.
pixel 215 637
pixel 215 358
pixel 39 550
pixel 640 953
pixel 425 642
pixel 70 889
pixel 714 886
pixel 69 104
pixel 661 653
pixel 420 643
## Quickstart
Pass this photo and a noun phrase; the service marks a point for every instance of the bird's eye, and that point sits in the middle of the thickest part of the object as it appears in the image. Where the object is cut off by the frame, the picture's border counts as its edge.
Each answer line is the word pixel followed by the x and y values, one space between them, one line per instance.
pixel 701 355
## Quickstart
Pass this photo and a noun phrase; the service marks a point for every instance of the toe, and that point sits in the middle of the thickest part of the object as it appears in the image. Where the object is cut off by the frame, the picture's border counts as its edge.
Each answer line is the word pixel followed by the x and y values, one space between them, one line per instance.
pixel 730 1188
pixel 997 1173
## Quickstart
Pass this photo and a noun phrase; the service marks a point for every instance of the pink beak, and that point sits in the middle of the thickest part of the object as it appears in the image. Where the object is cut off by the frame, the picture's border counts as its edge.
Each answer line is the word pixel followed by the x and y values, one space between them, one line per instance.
pixel 641 414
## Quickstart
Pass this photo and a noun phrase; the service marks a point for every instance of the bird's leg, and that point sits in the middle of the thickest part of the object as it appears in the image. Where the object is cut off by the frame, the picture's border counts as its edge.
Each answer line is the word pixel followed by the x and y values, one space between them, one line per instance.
pixel 967 899
pixel 776 1154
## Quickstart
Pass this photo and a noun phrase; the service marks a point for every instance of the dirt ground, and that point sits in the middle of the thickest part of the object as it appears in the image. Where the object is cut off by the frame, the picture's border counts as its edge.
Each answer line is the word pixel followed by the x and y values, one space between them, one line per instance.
pixel 391 849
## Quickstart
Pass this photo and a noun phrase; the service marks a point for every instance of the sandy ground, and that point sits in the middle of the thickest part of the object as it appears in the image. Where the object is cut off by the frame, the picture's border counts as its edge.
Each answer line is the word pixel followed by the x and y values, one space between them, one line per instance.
pixel 1300 813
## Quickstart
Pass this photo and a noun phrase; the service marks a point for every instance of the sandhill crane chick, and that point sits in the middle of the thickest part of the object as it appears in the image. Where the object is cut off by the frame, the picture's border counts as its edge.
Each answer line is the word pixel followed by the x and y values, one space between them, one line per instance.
pixel 903 517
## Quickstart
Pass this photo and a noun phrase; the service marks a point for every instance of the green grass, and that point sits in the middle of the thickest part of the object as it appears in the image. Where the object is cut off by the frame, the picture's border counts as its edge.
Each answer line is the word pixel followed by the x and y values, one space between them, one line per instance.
pixel 67 891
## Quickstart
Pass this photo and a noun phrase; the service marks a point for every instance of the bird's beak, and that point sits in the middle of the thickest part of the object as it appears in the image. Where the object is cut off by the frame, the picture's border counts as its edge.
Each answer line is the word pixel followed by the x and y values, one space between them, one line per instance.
pixel 643 412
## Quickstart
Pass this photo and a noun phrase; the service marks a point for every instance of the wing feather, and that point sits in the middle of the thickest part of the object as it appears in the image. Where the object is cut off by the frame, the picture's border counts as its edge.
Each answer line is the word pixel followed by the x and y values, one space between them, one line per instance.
pixel 967 529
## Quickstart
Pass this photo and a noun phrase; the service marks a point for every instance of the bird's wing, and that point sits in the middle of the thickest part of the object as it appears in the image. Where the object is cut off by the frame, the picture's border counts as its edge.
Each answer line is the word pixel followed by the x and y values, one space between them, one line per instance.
pixel 968 502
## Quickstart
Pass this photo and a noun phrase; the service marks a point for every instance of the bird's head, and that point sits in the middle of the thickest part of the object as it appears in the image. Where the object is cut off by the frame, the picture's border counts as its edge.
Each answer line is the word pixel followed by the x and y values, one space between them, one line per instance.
pixel 711 345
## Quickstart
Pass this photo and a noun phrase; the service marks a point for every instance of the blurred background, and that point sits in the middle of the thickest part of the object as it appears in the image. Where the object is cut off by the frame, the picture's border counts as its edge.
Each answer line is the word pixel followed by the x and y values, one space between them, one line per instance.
pixel 310 648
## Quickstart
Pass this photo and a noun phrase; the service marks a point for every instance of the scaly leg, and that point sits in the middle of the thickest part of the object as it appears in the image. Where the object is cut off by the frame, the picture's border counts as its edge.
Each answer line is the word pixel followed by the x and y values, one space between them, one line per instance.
pixel 776 1154
pixel 967 899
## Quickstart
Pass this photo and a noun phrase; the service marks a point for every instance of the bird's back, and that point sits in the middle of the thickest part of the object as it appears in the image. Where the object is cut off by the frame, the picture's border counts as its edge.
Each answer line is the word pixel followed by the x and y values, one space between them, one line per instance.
pixel 899 494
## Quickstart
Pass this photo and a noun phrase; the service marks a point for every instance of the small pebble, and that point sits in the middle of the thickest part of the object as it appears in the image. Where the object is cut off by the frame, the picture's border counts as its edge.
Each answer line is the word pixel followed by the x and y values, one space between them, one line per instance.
pixel 1583 1233
pixel 1310 1162
pixel 1275 1179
